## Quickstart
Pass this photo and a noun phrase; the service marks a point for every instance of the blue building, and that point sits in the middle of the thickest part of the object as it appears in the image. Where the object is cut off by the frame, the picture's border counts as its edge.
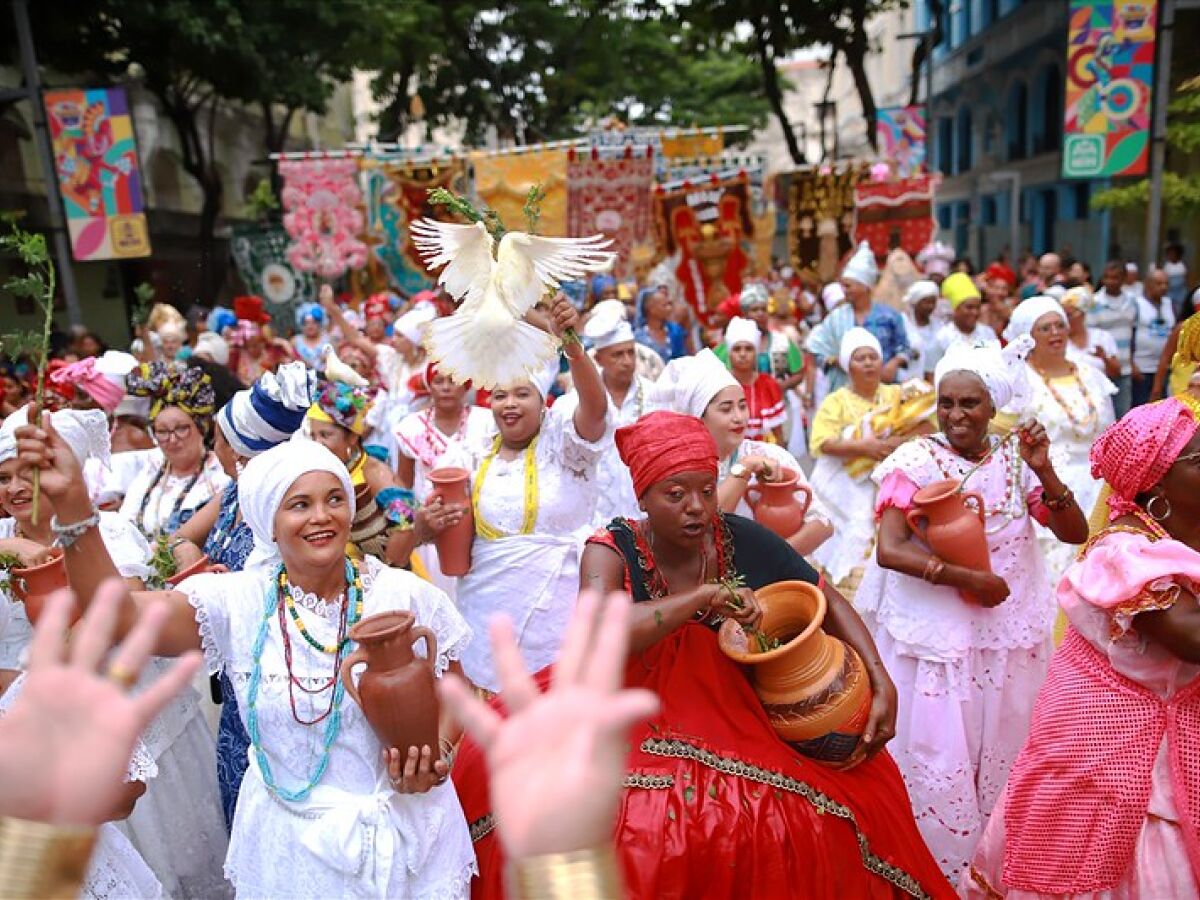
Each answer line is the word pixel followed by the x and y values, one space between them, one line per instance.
pixel 997 126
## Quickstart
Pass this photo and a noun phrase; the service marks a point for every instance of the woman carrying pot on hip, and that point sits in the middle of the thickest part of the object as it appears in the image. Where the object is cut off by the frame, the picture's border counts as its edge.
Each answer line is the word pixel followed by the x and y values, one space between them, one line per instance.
pixel 966 647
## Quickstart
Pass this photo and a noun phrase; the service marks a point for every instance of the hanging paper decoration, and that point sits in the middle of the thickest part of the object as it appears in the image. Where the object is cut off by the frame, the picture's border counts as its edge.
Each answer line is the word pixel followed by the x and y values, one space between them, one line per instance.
pixel 610 197
pixel 260 254
pixel 321 202
pixel 892 214
pixel 706 228
pixel 820 204
pixel 502 182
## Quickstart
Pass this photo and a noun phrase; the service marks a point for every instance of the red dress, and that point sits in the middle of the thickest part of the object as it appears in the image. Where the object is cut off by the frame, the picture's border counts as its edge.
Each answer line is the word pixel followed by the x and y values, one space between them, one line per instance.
pixel 765 408
pixel 715 805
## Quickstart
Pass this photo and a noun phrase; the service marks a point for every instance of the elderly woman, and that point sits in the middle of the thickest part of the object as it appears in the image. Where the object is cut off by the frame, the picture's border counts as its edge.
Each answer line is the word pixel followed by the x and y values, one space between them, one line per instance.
pixel 165 486
pixel 840 436
pixel 1073 402
pixel 695 818
pixel 533 493
pixel 967 648
pixel 701 386
pixel 186 854
pixel 325 810
pixel 1101 801
pixel 1093 346
pixel 655 328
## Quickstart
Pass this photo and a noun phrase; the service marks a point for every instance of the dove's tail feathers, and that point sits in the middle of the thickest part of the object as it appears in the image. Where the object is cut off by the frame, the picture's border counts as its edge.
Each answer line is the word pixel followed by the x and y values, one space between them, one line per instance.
pixel 488 358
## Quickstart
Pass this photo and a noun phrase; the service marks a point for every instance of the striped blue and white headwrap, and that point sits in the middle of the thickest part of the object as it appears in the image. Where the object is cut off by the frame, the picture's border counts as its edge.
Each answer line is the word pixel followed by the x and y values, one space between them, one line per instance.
pixel 271 411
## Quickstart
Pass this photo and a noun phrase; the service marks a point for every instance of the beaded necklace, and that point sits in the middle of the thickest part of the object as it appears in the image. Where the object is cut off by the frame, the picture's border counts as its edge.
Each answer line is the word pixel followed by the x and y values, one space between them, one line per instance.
pixel 485 529
pixel 140 521
pixel 1090 417
pixel 1011 507
pixel 351 612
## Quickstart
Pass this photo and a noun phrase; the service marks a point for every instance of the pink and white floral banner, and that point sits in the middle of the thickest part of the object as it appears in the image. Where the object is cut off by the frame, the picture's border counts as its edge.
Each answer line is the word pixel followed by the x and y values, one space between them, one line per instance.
pixel 323 215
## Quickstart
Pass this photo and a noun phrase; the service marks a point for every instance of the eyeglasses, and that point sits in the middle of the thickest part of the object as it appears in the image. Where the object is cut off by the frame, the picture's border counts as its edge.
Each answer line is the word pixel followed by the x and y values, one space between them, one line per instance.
pixel 178 433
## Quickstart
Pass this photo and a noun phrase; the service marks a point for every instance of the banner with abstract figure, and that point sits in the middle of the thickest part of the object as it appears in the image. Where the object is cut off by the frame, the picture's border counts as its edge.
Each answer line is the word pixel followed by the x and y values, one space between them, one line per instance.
pixel 95 161
pixel 900 135
pixel 610 197
pixel 1110 78
pixel 323 216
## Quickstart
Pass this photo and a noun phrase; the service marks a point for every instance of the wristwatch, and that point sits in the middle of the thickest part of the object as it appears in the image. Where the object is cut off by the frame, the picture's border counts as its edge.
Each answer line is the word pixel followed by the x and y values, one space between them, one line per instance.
pixel 737 470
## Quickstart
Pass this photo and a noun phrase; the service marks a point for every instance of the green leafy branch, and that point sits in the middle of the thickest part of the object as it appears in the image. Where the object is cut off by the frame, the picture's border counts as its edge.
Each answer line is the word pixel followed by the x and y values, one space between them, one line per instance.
pixel 39 285
pixel 463 207
pixel 143 300
pixel 731 585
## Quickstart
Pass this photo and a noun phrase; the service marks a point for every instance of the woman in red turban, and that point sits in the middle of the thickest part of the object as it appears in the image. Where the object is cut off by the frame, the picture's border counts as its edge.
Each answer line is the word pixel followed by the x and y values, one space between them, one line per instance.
pixel 715 803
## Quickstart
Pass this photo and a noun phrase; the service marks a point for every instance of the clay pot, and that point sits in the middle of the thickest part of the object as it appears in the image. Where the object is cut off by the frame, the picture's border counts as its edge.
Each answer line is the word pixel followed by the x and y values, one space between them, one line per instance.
pixel 813 687
pixel 200 566
pixel 452 485
pixel 952 525
pixel 33 585
pixel 780 505
pixel 396 692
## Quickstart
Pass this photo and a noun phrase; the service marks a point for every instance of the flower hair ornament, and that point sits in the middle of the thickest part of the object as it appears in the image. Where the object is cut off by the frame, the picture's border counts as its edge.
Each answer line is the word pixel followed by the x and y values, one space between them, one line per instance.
pixel 342 405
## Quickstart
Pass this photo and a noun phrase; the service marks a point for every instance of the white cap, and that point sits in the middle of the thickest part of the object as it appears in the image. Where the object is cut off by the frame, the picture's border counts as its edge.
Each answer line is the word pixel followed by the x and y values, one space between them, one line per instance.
pixel 862 267
pixel 607 326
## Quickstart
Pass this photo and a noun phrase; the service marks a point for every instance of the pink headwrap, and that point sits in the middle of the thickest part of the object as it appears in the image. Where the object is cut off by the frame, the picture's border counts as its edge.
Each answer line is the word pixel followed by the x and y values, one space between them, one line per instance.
pixel 84 376
pixel 1134 454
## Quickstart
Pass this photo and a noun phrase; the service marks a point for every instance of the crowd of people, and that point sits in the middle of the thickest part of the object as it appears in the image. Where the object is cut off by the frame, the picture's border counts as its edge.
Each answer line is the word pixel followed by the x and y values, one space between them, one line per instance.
pixel 1032 730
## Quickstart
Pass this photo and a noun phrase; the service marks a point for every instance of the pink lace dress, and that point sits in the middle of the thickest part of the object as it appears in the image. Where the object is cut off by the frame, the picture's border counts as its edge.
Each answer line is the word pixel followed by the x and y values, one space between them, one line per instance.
pixel 1121 575
pixel 967 675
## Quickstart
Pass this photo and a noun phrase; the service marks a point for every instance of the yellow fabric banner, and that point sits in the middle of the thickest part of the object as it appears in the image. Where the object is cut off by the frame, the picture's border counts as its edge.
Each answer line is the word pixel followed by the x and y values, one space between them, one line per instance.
pixel 504 181
pixel 684 144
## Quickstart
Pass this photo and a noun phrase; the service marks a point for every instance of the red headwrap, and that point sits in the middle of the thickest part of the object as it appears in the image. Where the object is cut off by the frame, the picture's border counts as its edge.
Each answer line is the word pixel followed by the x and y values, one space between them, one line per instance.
pixel 663 444
pixel 250 309
pixel 376 306
pixel 1001 272
pixel 1135 453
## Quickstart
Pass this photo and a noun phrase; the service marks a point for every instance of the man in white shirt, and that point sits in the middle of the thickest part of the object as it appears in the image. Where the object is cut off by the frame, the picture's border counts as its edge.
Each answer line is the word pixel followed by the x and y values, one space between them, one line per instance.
pixel 1116 311
pixel 1156 318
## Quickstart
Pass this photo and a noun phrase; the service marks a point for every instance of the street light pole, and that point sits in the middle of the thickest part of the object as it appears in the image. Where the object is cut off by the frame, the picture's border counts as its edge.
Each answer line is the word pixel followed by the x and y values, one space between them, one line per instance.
pixel 41 136
pixel 1158 132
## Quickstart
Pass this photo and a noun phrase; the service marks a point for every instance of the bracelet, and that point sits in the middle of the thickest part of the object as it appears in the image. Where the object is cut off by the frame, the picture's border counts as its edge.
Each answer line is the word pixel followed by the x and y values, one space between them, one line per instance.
pixel 177 542
pixel 580 875
pixel 1057 504
pixel 933 570
pixel 66 535
pixel 41 860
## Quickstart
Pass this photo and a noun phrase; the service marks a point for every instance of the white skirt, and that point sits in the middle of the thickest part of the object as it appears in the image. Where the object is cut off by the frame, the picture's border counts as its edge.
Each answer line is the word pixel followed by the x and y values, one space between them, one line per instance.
pixel 116 872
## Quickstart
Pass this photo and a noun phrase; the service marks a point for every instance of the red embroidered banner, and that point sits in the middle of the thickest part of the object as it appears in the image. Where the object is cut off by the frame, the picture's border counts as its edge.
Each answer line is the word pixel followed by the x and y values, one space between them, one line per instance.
pixel 610 196
pixel 892 214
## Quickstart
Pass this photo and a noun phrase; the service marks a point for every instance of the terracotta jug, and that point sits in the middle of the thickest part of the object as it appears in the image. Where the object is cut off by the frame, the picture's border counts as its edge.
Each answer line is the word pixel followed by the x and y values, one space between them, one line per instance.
pixel 199 567
pixel 951 523
pixel 780 505
pixel 814 688
pixel 453 485
pixel 33 585
pixel 396 692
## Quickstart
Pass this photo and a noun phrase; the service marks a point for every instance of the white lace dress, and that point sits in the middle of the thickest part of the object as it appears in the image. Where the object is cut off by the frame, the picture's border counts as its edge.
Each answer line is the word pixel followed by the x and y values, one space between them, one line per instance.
pixel 533 578
pixel 1073 420
pixel 116 871
pixel 967 675
pixel 354 836
pixel 168 506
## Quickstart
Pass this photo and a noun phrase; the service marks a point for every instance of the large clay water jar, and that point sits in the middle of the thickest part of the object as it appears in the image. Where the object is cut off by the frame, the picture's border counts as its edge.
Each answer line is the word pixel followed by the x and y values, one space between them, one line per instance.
pixel 951 523
pixel 34 585
pixel 814 688
pixel 452 485
pixel 396 692
pixel 780 505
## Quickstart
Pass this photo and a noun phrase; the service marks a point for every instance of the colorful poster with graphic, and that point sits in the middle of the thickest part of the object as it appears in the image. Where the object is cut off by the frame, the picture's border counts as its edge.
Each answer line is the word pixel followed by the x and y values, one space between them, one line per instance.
pixel 1110 77
pixel 900 137
pixel 95 161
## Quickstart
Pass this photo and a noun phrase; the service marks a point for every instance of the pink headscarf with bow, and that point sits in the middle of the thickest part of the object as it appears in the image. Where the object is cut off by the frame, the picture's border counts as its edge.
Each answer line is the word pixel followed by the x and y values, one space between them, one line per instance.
pixel 83 375
pixel 1133 455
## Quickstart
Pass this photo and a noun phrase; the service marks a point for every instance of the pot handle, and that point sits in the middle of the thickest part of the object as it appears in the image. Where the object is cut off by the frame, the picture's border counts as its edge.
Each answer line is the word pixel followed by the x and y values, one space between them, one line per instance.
pixel 420 631
pixel 359 655
pixel 807 492
pixel 915 516
pixel 976 507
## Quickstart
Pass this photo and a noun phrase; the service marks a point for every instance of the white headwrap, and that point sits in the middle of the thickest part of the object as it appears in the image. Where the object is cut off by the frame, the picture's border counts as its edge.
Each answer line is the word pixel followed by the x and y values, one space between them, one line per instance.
pixel 1003 372
pixel 742 331
pixel 833 293
pixel 607 326
pixel 1080 297
pixel 412 324
pixel 935 258
pixel 688 384
pixel 544 379
pixel 921 290
pixel 214 345
pixel 269 412
pixel 85 431
pixel 1028 312
pixel 855 339
pixel 862 267
pixel 266 480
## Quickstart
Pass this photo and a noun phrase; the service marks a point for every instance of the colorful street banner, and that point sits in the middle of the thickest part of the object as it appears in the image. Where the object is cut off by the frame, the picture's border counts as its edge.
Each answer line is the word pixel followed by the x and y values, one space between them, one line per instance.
pixel 1110 77
pixel 890 214
pixel 96 163
pixel 900 137
pixel 260 254
pixel 820 205
pixel 323 215
pixel 610 197
pixel 503 181
pixel 707 227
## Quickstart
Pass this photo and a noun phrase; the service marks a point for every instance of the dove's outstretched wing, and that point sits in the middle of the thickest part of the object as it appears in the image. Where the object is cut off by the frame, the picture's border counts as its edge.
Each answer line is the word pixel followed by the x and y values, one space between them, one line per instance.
pixel 527 264
pixel 464 250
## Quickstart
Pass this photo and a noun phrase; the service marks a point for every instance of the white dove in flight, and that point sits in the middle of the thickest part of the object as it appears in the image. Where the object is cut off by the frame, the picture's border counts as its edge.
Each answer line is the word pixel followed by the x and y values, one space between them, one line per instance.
pixel 487 340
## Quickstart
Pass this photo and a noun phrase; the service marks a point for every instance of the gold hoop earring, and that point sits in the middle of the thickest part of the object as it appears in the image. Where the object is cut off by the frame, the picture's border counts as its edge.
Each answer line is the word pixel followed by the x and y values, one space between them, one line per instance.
pixel 1150 508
